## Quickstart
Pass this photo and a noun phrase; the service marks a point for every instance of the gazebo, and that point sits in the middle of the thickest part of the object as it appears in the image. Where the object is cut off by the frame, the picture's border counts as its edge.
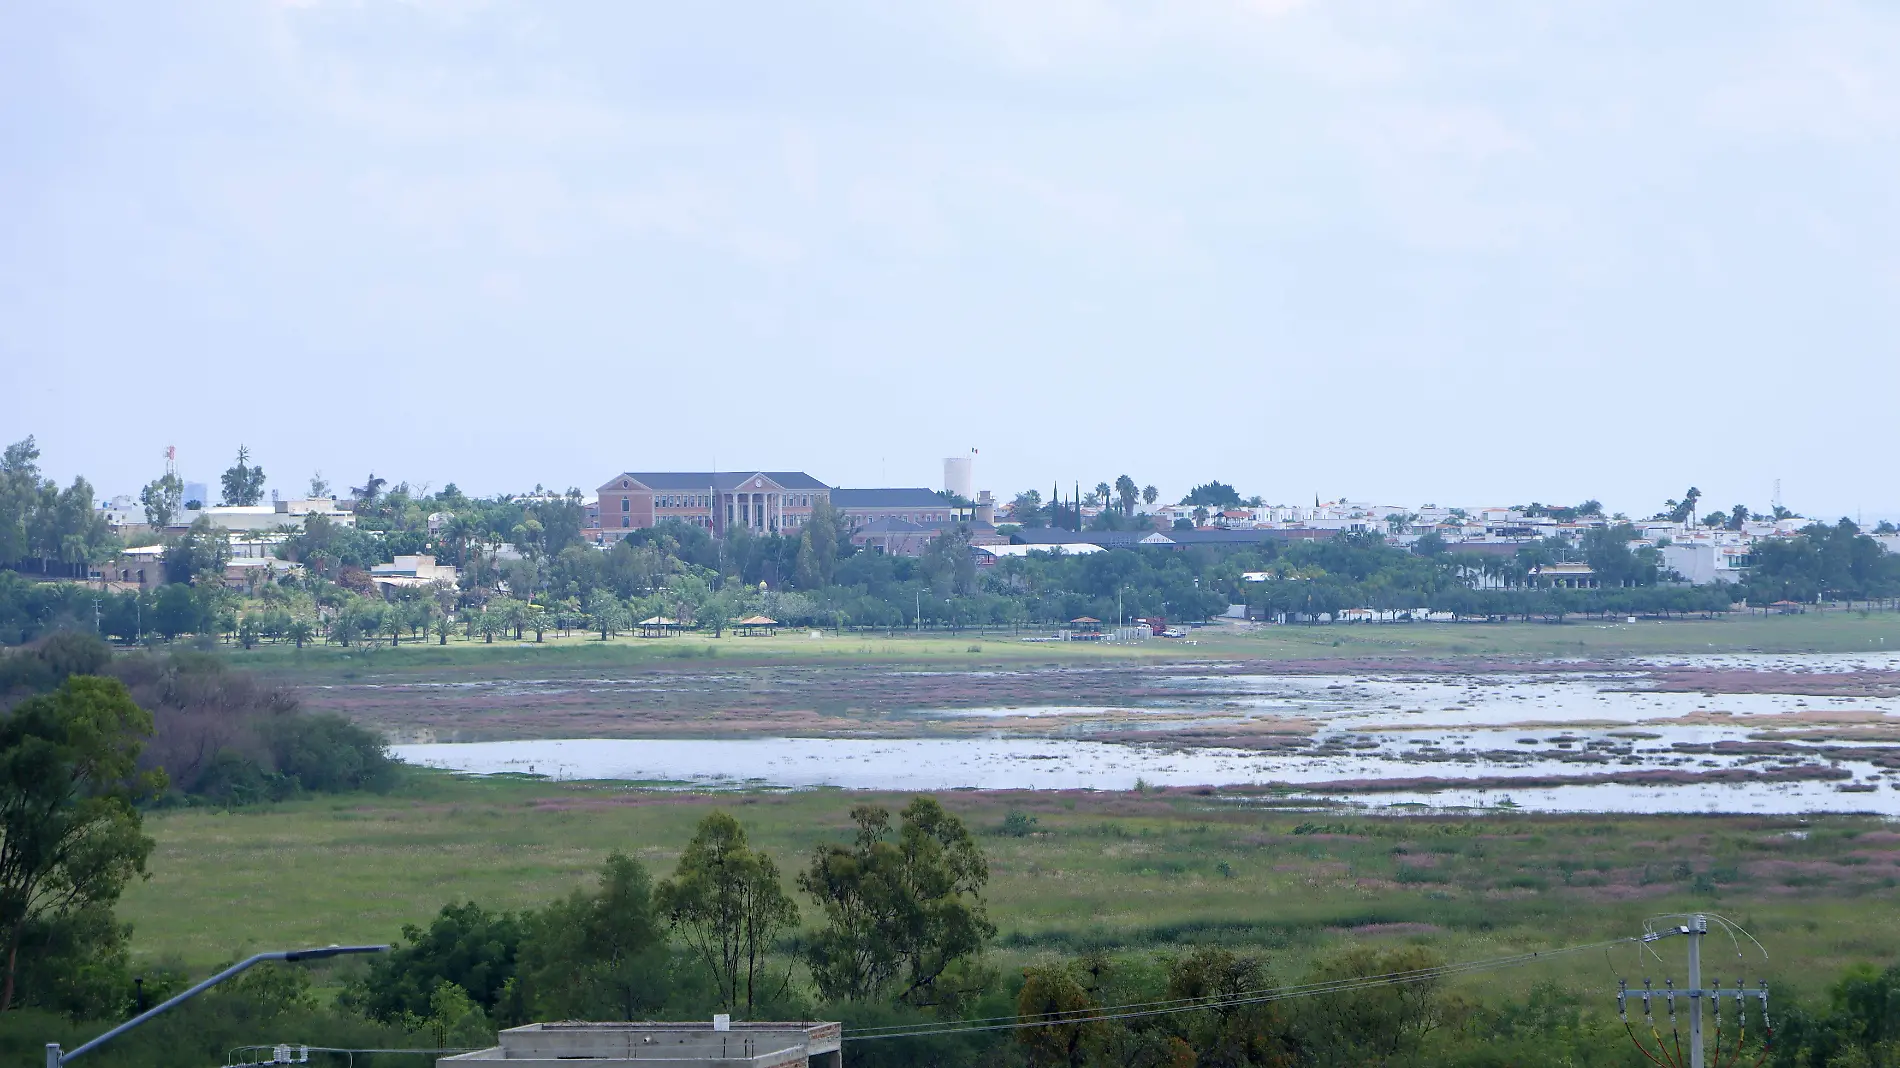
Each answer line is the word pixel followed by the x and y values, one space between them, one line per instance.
pixel 658 627
pixel 752 625
pixel 1086 625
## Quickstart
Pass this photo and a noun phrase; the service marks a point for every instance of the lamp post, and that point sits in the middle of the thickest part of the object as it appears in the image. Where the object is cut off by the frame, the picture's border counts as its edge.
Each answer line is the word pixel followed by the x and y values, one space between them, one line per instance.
pixel 56 1059
pixel 919 614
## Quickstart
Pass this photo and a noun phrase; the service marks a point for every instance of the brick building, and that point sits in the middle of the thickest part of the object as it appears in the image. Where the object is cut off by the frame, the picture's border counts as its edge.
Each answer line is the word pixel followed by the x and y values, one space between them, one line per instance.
pixel 762 501
pixel 862 507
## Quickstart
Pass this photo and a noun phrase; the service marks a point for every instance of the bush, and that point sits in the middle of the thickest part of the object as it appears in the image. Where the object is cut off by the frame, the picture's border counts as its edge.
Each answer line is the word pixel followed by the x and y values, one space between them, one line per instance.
pixel 232 779
pixel 1017 823
pixel 328 754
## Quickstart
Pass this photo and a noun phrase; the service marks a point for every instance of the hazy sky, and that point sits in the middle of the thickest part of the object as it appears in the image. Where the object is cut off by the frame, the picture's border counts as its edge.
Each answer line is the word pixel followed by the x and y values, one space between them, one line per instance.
pixel 1402 251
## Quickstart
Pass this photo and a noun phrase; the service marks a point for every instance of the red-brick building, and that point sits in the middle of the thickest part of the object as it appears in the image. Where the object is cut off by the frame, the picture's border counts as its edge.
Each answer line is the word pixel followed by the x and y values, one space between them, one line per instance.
pixel 764 502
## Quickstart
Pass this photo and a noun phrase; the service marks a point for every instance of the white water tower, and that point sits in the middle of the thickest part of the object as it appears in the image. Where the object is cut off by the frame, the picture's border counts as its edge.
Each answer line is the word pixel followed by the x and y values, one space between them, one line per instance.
pixel 959 476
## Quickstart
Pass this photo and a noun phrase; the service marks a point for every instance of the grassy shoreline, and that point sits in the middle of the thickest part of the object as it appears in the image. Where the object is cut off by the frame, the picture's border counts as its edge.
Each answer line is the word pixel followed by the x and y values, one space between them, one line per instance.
pixel 1120 871
pixel 1829 632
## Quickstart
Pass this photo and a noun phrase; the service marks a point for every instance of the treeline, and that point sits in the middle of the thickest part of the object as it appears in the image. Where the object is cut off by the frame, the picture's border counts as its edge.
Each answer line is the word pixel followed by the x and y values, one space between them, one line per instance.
pixel 1825 562
pixel 42 527
pixel 217 735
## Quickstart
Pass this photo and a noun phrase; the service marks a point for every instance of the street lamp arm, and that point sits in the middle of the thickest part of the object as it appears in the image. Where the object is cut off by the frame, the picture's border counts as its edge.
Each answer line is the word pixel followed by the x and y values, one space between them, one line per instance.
pixel 54 1058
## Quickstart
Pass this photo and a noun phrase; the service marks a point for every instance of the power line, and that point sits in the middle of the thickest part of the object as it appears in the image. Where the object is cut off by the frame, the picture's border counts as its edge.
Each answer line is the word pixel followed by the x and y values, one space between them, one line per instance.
pixel 1140 1010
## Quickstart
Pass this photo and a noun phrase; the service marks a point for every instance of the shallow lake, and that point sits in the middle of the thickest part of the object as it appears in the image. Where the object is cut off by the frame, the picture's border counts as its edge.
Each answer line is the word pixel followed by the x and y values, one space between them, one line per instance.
pixel 1468 735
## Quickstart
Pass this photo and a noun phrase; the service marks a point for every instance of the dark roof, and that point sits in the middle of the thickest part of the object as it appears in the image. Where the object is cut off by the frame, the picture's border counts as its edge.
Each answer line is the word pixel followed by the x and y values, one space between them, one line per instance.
pixel 905 497
pixel 1245 537
pixel 893 526
pixel 718 480
pixel 1107 539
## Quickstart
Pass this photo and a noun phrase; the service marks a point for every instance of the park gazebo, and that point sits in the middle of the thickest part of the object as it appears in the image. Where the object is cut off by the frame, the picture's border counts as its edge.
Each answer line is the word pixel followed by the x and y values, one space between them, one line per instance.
pixel 659 627
pixel 755 625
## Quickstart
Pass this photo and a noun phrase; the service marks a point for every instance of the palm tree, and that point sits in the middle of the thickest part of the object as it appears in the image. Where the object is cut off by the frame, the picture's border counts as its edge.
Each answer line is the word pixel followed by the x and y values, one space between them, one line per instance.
pixel 1126 489
pixel 443 624
pixel 1149 495
pixel 458 532
pixel 299 631
pixel 393 624
pixel 1103 493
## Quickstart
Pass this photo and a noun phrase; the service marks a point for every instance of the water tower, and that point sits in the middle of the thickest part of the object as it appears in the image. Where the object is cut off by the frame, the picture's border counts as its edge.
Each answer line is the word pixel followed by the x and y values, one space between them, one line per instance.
pixel 959 476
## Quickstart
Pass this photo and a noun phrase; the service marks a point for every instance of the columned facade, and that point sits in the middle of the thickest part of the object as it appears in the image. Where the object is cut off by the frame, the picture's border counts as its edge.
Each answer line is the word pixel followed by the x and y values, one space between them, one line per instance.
pixel 762 502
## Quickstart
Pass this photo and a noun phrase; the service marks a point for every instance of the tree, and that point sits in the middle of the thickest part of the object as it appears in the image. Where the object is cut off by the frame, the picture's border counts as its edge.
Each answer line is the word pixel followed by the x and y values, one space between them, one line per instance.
pixel 203 550
pixel 319 486
pixel 70 835
pixel 725 901
pixel 1053 992
pixel 1214 494
pixel 367 493
pixel 1026 510
pixel 1103 493
pixel 1681 511
pixel 1129 493
pixel 600 955
pixel 1149 495
pixel 1374 1025
pixel 608 614
pixel 161 498
pixel 299 631
pixel 465 945
pixel 716 612
pixel 1228 1031
pixel 243 481
pixel 444 623
pixel 19 486
pixel 897 912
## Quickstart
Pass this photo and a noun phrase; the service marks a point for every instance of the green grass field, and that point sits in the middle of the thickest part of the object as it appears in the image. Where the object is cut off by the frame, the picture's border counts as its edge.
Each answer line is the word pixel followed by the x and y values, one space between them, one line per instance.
pixel 1121 871
pixel 1829 632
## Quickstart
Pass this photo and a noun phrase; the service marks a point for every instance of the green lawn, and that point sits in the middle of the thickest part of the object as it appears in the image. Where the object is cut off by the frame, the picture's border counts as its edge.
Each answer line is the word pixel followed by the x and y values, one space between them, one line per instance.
pixel 1835 631
pixel 1122 871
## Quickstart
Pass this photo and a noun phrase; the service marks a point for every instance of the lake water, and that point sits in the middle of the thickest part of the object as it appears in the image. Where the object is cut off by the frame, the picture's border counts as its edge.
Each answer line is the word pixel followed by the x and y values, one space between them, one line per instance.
pixel 1365 728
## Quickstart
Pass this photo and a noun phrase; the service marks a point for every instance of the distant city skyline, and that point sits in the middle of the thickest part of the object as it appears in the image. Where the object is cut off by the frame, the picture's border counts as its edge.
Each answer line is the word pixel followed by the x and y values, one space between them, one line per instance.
pixel 292 487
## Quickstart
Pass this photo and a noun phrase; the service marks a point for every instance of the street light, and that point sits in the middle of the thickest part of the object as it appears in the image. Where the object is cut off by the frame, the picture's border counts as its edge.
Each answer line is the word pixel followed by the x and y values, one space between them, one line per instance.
pixel 55 1059
pixel 920 608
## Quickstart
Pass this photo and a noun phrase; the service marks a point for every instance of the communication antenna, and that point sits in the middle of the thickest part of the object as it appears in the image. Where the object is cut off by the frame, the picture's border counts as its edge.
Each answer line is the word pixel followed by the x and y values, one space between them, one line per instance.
pixel 171 459
pixel 1669 1054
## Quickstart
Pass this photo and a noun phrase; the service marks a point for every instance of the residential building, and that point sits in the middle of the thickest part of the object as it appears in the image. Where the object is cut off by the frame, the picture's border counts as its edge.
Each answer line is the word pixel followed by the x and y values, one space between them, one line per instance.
pixel 1568 576
pixel 140 569
pixel 1706 560
pixel 413 571
pixel 257 518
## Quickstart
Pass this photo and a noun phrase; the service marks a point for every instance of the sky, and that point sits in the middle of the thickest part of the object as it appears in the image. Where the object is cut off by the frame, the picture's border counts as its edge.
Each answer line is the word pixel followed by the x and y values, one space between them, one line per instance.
pixel 1401 251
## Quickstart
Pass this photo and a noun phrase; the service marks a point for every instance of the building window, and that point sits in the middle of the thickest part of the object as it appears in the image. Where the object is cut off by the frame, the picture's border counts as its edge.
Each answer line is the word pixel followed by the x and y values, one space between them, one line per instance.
pixel 626 520
pixel 626 504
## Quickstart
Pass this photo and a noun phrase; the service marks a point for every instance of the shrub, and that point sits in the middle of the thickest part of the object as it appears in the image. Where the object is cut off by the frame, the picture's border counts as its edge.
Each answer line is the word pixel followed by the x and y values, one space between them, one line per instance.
pixel 328 754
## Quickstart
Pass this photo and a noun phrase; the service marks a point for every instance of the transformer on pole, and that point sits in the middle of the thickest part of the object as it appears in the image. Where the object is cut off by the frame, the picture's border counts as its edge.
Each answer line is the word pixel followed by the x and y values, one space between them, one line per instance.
pixel 1669 1053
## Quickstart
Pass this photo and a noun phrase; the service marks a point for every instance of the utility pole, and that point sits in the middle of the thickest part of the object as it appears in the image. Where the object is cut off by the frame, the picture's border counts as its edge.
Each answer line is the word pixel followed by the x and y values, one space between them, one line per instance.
pixel 1695 930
